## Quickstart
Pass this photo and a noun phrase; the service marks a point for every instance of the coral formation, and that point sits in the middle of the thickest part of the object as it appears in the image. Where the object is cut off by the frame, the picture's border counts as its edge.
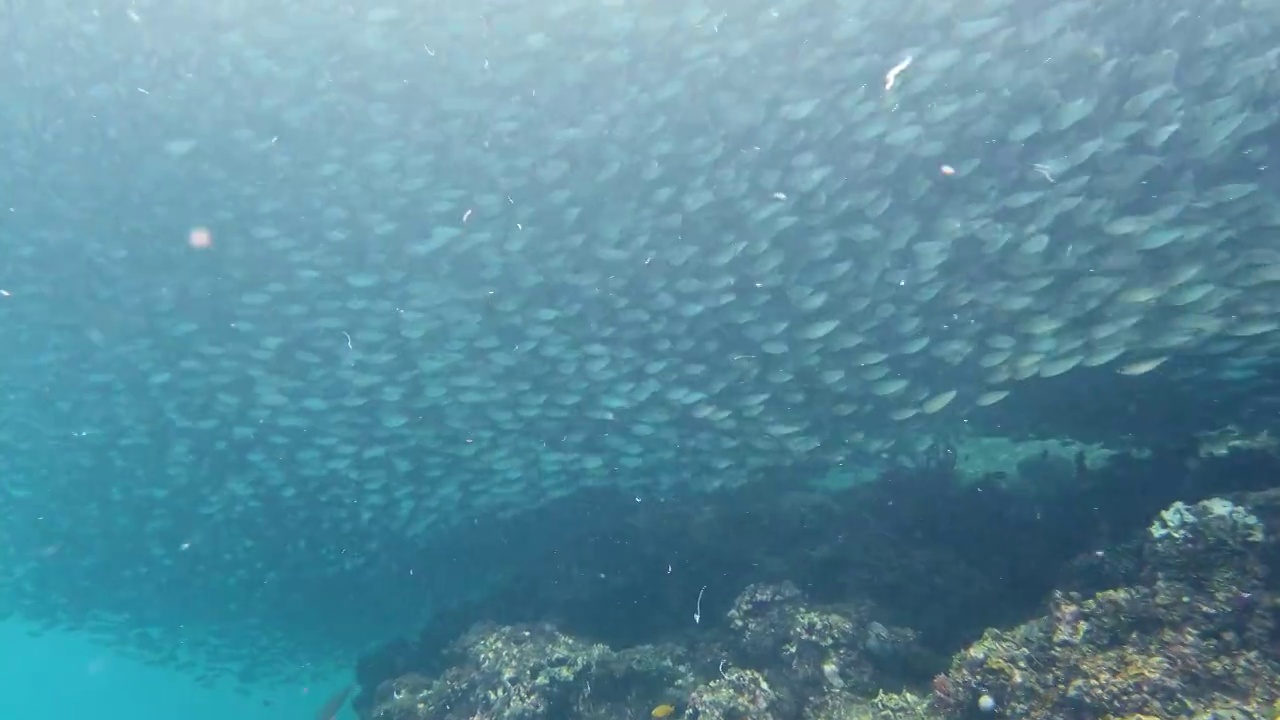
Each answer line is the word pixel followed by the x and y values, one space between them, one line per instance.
pixel 740 693
pixel 779 656
pixel 1192 633
pixel 1174 618
pixel 526 672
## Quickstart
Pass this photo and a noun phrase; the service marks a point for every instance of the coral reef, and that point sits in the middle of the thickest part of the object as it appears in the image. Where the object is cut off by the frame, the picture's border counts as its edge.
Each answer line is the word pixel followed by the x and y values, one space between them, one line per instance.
pixel 1164 612
pixel 809 649
pixel 526 672
pixel 812 647
pixel 778 656
pixel 740 693
pixel 1193 634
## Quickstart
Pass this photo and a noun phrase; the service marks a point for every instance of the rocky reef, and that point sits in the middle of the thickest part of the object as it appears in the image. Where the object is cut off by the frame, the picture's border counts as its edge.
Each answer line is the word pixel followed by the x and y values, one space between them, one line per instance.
pixel 778 657
pixel 1191 632
pixel 534 671
pixel 1171 616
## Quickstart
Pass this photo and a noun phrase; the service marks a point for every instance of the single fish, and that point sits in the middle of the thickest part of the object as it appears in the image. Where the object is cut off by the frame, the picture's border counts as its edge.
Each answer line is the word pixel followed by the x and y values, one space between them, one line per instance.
pixel 331 708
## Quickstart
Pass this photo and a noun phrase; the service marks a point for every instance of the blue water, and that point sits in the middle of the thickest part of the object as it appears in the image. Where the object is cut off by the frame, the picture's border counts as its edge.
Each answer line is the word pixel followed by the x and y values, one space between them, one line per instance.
pixel 57 675
pixel 308 307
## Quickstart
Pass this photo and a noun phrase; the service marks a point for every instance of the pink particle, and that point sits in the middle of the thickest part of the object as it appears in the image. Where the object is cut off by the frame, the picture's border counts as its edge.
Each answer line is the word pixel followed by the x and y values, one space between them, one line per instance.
pixel 200 238
pixel 947 170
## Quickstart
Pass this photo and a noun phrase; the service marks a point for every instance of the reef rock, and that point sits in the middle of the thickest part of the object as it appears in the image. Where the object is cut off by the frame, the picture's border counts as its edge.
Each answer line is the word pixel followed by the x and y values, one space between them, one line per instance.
pixel 532 672
pixel 904 705
pixel 1193 634
pixel 809 650
pixel 738 694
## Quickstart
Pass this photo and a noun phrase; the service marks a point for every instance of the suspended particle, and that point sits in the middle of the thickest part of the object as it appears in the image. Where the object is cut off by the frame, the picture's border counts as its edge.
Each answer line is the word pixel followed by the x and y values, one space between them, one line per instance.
pixel 891 77
pixel 200 238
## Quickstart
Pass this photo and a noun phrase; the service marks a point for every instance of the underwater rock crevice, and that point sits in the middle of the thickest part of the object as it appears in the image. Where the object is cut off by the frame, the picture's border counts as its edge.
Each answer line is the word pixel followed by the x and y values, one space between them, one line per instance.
pixel 1193 636
pixel 937 557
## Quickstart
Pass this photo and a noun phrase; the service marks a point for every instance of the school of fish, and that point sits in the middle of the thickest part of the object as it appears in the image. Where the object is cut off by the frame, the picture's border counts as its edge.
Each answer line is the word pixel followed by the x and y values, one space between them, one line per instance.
pixel 290 288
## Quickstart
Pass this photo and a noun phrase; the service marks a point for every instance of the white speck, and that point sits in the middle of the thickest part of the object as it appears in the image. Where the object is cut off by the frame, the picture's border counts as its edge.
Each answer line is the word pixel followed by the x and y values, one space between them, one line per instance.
pixel 1044 170
pixel 891 77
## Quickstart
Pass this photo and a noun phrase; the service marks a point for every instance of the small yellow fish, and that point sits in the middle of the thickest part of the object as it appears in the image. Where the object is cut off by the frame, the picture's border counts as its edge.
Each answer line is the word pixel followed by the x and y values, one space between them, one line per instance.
pixel 663 710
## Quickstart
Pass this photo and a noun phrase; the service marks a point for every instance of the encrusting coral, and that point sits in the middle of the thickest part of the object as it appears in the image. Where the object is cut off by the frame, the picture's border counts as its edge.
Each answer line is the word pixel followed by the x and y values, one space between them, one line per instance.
pixel 1186 627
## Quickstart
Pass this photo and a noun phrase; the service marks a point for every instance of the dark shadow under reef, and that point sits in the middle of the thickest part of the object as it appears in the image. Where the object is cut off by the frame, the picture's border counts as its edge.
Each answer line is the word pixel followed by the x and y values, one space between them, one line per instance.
pixel 917 550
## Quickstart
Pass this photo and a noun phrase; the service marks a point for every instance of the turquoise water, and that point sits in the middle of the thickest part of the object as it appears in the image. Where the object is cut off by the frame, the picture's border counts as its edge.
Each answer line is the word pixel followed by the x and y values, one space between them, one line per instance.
pixel 53 675
pixel 309 308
